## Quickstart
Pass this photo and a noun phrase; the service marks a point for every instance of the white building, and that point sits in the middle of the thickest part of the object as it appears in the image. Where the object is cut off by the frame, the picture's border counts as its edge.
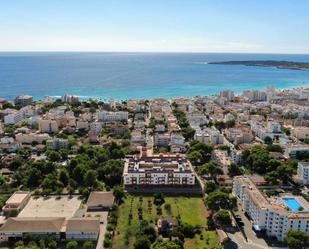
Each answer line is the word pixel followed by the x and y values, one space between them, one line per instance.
pixel 228 94
pixel 112 116
pixel 57 143
pixel 275 215
pixel 13 118
pixel 293 150
pixel 96 127
pixel 158 170
pixel 209 136
pixel 303 172
pixel 162 140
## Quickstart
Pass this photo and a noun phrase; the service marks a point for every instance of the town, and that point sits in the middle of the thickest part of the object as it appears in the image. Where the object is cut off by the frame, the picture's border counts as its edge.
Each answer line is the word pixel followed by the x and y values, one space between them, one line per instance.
pixel 220 171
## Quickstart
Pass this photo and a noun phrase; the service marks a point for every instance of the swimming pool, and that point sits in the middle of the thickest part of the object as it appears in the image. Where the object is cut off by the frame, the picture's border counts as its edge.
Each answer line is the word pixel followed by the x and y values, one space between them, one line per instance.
pixel 292 204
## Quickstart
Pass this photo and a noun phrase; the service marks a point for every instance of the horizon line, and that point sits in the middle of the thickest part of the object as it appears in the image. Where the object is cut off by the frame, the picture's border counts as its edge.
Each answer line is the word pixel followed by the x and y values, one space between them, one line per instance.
pixel 167 52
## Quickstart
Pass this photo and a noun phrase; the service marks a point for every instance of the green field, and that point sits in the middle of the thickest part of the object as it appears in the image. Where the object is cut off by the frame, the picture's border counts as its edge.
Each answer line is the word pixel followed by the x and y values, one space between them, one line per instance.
pixel 190 210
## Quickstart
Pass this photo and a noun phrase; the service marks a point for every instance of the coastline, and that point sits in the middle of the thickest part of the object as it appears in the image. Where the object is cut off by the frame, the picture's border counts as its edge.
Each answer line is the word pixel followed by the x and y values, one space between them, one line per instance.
pixel 98 98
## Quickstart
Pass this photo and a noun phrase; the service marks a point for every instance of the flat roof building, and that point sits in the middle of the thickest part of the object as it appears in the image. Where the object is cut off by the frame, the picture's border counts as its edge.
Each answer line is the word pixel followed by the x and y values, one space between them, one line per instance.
pixel 275 215
pixel 157 170
pixel 99 200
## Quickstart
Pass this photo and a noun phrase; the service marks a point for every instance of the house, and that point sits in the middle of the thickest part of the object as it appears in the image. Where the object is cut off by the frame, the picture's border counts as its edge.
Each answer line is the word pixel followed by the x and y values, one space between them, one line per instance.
pixel 166 225
pixel 99 200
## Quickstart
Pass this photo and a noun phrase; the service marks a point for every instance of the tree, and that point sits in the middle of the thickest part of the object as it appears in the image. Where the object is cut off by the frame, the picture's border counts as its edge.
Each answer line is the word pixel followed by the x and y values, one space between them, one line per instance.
pixel 285 173
pixel 297 239
pixel 234 169
pixel 158 199
pixel 90 178
pixel 272 178
pixel 223 216
pixel 118 192
pixel 203 155
pixel 88 244
pixel 15 164
pixel 64 177
pixel 168 245
pixel 210 187
pixel 188 133
pixel 187 230
pixel 142 243
pixel 274 148
pixel 209 169
pixel 53 156
pixel 218 199
pixel 268 140
pixel 72 244
pixel 195 157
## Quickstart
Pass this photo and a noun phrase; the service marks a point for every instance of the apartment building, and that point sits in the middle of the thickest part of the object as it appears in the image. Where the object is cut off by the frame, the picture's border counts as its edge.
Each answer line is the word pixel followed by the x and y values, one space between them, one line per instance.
pixel 57 143
pixel 48 125
pixel 209 136
pixel 275 215
pixel 294 150
pixel 23 100
pixel 31 137
pixel 105 116
pixel 303 173
pixel 13 118
pixel 241 135
pixel 162 140
pixel 158 170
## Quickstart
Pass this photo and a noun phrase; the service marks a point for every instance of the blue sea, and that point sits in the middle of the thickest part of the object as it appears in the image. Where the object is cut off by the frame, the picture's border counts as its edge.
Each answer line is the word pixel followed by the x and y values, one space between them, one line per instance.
pixel 139 75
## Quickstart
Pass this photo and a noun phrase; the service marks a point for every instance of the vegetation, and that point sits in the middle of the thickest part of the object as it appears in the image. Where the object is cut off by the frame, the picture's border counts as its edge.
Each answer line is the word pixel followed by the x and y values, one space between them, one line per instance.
pixel 139 214
pixel 186 130
pixel 199 152
pixel 258 160
pixel 92 168
pixel 297 239
pixel 223 217
pixel 220 200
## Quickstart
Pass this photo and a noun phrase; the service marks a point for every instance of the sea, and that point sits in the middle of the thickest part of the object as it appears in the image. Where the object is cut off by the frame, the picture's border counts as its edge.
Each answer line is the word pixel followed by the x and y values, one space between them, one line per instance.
pixel 130 75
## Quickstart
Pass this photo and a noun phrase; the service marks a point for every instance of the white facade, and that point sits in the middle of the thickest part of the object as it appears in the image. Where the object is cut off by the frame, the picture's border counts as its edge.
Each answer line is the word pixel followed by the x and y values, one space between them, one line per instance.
pixel 303 172
pixel 112 116
pixel 158 170
pixel 13 118
pixel 209 136
pixel 271 214
pixel 57 143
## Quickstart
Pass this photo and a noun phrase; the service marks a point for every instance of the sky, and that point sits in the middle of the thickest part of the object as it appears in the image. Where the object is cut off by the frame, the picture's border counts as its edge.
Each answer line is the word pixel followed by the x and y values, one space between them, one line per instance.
pixel 248 26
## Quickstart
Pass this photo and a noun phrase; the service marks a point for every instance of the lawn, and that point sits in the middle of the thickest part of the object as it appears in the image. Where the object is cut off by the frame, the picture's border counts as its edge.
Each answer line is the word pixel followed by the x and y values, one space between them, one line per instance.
pixel 190 210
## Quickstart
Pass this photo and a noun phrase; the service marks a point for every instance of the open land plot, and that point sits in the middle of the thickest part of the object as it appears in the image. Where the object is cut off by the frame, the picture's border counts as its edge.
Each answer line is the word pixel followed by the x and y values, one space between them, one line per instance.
pixel 52 206
pixel 190 210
